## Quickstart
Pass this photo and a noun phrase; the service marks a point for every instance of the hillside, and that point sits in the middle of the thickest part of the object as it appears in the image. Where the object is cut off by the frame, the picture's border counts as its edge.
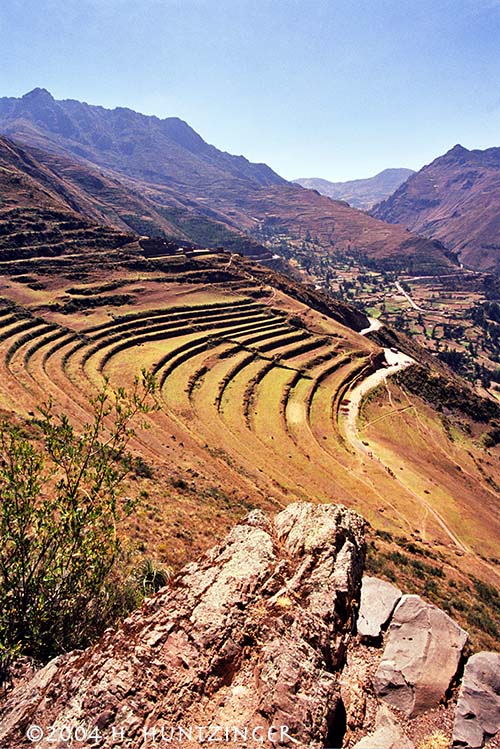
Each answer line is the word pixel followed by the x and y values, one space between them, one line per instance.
pixel 34 177
pixel 259 382
pixel 359 193
pixel 202 194
pixel 455 199
pixel 254 372
pixel 325 227
pixel 27 183
pixel 42 214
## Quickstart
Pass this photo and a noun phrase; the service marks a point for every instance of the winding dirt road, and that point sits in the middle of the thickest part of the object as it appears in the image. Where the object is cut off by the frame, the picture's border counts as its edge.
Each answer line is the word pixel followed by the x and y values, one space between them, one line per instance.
pixel 396 361
pixel 374 325
pixel 412 303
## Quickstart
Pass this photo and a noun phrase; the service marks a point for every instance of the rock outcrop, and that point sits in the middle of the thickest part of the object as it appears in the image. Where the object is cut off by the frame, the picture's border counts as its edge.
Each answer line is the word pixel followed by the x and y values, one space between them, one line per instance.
pixel 248 640
pixel 421 657
pixel 478 709
pixel 378 601
pixel 256 645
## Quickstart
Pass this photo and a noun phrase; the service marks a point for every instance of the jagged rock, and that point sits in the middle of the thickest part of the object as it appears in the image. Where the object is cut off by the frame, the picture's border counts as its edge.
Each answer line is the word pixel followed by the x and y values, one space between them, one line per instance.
pixel 388 734
pixel 477 717
pixel 378 600
pixel 421 656
pixel 248 637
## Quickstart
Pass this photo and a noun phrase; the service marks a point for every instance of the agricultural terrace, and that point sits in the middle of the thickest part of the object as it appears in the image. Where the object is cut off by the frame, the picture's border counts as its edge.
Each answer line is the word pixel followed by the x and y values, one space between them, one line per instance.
pixel 252 384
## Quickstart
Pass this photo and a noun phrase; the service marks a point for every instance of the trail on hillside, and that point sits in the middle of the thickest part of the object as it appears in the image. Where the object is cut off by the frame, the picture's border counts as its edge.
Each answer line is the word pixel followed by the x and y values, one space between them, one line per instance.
pixel 396 361
pixel 408 297
pixel 375 324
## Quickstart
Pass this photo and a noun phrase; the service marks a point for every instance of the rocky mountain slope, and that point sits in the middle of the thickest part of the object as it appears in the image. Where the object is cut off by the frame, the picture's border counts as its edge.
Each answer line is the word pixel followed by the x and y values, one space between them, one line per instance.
pixel 42 213
pixel 201 193
pixel 255 644
pixel 253 369
pixel 456 200
pixel 38 178
pixel 162 150
pixel 359 193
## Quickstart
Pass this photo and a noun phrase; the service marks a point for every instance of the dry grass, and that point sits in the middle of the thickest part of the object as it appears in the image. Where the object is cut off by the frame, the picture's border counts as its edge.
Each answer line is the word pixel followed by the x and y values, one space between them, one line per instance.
pixel 248 432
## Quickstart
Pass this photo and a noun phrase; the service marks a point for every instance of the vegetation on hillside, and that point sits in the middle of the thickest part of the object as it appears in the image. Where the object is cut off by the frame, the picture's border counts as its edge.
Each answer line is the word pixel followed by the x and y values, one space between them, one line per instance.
pixel 415 568
pixel 59 582
pixel 252 368
pixel 453 314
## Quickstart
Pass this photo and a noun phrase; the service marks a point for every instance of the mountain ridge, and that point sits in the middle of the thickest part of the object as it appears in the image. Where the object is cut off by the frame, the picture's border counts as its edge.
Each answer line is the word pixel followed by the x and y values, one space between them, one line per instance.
pixel 359 193
pixel 72 119
pixel 454 199
pixel 209 196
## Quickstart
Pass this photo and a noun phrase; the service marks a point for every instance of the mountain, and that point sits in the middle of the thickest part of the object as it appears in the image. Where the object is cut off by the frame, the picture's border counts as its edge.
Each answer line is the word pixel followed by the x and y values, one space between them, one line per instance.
pixel 359 193
pixel 162 150
pixel 455 199
pixel 269 393
pixel 100 199
pixel 43 214
pixel 200 193
pixel 57 184
pixel 293 210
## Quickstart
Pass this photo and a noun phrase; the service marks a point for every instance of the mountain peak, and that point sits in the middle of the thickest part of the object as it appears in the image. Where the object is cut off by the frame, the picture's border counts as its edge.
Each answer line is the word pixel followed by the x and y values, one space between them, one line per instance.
pixel 454 200
pixel 39 94
pixel 458 149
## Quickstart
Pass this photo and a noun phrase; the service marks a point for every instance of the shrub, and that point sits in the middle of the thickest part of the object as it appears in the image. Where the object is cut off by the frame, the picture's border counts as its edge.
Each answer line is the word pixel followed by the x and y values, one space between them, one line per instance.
pixel 58 525
pixel 149 577
pixel 399 559
pixel 385 535
pixel 486 592
pixel 296 321
pixel 436 740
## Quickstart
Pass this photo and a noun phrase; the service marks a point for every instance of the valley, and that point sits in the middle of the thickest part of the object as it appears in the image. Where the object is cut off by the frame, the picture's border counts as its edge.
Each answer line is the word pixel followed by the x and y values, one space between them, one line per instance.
pixel 249 375
pixel 360 193
pixel 160 178
pixel 306 352
pixel 252 383
pixel 452 314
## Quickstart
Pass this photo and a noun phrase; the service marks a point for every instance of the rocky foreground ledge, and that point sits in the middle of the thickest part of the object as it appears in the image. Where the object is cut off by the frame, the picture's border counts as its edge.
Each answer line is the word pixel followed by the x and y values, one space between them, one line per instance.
pixel 256 646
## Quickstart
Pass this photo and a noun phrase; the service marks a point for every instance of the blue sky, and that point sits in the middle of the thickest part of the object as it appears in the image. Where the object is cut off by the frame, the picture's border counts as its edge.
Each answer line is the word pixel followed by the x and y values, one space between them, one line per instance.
pixel 323 88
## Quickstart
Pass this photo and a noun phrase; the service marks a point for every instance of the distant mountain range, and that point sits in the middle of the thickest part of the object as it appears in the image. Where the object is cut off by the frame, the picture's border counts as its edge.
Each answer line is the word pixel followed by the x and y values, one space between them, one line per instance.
pixel 159 177
pixel 359 193
pixel 455 199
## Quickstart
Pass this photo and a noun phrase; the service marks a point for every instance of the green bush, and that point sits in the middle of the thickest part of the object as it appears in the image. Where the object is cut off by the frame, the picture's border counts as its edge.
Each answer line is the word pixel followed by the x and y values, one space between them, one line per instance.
pixel 149 577
pixel 59 512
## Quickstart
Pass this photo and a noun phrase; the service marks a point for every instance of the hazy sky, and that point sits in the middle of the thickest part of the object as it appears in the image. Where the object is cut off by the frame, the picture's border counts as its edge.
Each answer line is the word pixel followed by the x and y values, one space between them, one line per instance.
pixel 323 88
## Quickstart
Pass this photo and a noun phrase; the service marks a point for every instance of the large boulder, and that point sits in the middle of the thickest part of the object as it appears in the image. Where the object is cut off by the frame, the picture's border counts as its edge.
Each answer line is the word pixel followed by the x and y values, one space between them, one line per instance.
pixel 246 639
pixel 421 656
pixel 388 733
pixel 477 717
pixel 378 601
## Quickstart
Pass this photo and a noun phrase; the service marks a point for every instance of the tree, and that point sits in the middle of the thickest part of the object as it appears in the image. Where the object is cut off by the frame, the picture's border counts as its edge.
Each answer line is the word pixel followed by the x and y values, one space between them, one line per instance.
pixel 58 524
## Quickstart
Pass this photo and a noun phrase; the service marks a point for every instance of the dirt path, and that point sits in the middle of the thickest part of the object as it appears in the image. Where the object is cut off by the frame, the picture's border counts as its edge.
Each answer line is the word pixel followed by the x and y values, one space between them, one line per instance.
pixel 374 325
pixel 396 361
pixel 403 292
